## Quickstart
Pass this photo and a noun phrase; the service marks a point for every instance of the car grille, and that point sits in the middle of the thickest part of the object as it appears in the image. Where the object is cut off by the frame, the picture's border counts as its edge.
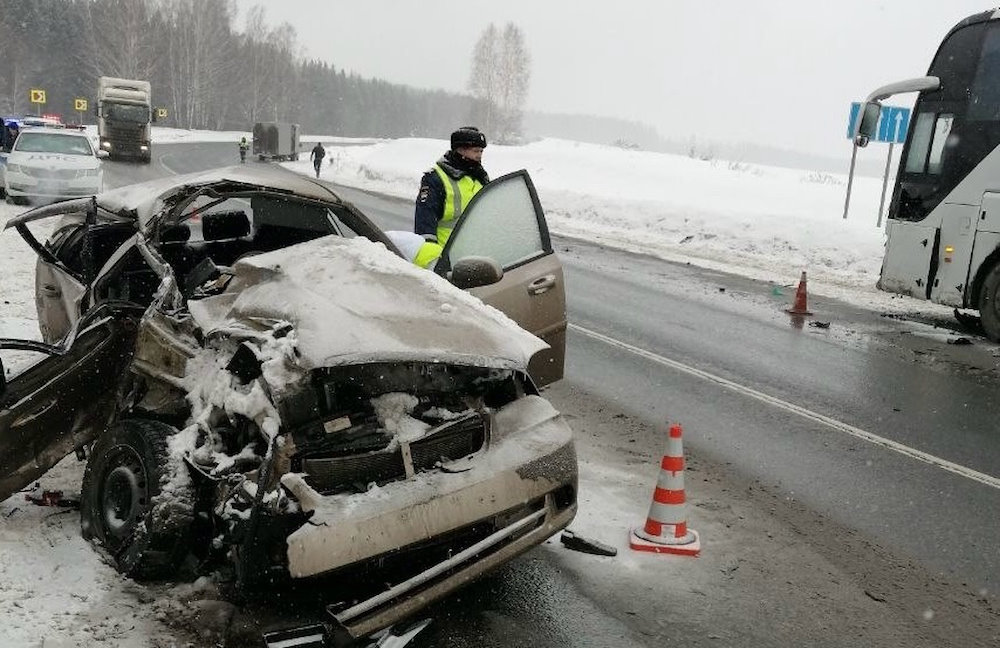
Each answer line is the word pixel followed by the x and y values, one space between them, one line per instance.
pixel 52 174
pixel 453 441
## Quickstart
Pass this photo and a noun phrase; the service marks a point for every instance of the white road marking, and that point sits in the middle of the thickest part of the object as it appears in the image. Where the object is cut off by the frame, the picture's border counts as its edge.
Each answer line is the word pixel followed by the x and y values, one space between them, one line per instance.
pixel 874 439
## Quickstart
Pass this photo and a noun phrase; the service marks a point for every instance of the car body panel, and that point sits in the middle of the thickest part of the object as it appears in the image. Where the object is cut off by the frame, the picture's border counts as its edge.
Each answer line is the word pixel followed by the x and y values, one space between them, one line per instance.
pixel 505 222
pixel 61 403
pixel 346 529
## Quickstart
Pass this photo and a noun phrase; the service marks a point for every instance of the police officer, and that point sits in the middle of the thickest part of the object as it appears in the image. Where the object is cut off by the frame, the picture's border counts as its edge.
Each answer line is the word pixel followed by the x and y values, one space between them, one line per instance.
pixel 447 188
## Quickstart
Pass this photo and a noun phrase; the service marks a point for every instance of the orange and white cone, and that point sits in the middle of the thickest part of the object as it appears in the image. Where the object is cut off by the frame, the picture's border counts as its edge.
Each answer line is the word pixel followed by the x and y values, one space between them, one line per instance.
pixel 801 299
pixel 666 529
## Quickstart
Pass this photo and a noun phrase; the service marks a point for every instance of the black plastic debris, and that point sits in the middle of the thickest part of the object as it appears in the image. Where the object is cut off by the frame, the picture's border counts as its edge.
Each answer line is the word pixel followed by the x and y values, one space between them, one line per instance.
pixel 585 545
pixel 960 341
pixel 819 325
pixel 245 364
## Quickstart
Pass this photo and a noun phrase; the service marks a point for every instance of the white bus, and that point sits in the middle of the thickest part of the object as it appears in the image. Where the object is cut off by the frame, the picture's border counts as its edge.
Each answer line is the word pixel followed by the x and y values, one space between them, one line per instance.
pixel 944 219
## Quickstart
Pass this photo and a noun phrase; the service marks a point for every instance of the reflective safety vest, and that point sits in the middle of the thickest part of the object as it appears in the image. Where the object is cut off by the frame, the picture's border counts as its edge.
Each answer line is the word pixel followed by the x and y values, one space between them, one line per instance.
pixel 457 195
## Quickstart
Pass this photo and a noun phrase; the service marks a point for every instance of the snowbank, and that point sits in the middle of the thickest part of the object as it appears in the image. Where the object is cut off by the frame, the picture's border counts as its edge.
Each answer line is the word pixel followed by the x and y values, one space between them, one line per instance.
pixel 768 223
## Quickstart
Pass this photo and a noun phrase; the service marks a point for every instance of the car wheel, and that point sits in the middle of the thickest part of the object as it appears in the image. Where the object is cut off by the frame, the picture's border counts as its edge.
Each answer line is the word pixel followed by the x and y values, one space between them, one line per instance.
pixel 123 507
pixel 989 304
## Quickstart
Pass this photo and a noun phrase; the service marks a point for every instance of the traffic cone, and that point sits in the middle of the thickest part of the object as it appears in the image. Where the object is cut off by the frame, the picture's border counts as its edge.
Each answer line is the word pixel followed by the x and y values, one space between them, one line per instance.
pixel 800 307
pixel 666 529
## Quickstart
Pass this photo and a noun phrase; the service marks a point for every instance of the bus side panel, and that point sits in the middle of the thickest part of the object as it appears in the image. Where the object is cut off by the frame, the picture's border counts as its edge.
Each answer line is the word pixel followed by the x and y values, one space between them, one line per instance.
pixel 907 258
pixel 954 253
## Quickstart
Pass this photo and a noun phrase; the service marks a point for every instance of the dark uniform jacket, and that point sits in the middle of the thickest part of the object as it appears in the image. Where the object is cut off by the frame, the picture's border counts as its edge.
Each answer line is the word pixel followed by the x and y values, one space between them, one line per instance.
pixel 430 198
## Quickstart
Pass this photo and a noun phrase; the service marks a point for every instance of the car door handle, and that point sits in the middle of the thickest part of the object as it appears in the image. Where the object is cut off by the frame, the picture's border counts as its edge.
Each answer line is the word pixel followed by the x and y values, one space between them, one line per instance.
pixel 541 285
pixel 51 291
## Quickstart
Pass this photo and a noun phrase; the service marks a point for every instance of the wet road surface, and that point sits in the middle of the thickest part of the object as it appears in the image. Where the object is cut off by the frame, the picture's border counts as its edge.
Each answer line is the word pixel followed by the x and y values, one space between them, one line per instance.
pixel 875 375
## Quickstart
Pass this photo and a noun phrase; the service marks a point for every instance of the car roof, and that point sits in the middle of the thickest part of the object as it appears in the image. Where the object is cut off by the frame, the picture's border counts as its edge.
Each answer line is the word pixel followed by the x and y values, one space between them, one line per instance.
pixel 145 202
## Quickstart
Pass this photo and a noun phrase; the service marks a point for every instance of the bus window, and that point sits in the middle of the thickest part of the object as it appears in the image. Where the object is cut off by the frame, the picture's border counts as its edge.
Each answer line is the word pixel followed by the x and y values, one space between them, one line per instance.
pixel 984 96
pixel 942 129
pixel 916 158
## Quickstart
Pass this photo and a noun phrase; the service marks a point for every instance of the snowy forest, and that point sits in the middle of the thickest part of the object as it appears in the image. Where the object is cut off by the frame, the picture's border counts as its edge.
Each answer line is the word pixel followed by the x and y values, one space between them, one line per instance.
pixel 209 67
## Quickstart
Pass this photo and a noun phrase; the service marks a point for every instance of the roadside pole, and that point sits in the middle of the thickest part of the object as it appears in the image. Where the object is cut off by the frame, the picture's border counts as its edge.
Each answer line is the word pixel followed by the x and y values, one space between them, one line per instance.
pixel 850 179
pixel 885 183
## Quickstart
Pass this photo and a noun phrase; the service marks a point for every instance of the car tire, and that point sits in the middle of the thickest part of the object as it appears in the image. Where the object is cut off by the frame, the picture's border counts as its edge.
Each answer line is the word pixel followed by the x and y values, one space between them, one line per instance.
pixel 122 504
pixel 989 304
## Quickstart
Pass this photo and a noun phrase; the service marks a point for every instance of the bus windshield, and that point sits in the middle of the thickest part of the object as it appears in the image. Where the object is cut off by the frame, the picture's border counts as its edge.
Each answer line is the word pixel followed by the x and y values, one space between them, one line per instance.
pixel 955 126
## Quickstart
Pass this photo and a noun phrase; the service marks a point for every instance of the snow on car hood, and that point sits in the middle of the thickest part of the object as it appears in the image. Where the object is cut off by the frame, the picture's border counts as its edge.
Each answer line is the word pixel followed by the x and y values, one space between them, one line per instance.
pixel 354 301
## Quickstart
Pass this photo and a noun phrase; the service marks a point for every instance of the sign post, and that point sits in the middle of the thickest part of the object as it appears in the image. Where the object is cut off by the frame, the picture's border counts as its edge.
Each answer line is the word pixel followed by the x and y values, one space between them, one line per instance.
pixel 893 123
pixel 37 97
pixel 80 106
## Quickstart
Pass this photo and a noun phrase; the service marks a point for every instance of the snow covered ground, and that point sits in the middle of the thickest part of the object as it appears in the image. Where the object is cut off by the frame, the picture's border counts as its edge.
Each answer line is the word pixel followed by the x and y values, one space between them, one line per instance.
pixel 766 223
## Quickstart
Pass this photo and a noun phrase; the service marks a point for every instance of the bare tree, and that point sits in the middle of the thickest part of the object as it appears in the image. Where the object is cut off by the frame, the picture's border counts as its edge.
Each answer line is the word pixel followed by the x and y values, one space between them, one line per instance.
pixel 121 44
pixel 199 61
pixel 512 82
pixel 483 78
pixel 501 71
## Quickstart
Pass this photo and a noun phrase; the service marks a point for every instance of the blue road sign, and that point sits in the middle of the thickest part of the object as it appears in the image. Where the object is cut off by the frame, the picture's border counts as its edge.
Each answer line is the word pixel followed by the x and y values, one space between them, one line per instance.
pixel 893 123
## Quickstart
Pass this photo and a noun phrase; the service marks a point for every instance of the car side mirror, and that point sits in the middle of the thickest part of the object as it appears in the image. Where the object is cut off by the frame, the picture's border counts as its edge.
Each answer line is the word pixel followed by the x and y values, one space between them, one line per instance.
pixel 474 271
pixel 102 154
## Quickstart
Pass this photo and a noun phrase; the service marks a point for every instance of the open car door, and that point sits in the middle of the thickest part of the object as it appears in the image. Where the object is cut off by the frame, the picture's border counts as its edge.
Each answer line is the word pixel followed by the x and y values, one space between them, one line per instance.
pixel 505 222
pixel 62 401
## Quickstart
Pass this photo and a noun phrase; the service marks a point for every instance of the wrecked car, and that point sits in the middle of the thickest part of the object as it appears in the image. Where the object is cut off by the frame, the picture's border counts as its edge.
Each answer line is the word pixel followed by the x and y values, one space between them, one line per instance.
pixel 257 379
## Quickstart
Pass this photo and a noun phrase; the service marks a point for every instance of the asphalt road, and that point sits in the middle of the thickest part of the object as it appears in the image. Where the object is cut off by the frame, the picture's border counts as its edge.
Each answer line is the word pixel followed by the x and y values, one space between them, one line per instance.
pixel 876 426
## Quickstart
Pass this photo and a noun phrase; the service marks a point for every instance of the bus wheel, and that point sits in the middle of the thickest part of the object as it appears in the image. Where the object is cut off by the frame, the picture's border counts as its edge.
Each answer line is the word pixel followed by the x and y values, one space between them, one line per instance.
pixel 989 304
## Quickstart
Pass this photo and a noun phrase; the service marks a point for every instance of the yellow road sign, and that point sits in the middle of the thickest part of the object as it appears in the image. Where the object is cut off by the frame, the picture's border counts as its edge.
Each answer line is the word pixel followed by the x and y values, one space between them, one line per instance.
pixel 161 113
pixel 80 105
pixel 37 96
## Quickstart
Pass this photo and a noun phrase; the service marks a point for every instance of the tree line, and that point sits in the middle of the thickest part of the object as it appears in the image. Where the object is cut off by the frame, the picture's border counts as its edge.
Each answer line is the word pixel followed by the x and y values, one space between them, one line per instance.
pixel 207 71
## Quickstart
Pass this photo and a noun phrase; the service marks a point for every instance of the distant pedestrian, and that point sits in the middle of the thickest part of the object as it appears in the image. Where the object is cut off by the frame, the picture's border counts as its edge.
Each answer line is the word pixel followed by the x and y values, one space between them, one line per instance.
pixel 243 150
pixel 447 188
pixel 317 155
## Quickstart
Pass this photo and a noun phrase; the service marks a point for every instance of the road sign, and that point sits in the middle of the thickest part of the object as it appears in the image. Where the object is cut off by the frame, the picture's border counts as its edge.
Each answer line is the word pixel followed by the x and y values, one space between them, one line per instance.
pixel 161 113
pixel 37 96
pixel 80 105
pixel 893 123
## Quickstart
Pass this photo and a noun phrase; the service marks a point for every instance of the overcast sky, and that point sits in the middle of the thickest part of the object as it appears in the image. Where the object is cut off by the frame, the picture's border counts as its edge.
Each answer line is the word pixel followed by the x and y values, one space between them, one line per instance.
pixel 771 71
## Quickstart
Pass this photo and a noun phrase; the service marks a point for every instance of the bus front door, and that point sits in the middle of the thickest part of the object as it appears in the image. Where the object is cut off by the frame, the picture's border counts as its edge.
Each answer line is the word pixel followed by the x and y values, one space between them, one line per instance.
pixel 908 253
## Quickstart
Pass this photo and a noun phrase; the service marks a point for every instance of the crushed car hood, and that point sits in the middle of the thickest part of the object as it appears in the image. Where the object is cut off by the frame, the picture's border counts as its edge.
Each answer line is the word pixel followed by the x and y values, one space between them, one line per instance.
pixel 353 301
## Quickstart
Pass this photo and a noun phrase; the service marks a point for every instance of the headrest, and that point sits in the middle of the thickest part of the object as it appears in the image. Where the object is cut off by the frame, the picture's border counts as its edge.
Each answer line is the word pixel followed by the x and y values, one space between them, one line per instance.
pixel 218 226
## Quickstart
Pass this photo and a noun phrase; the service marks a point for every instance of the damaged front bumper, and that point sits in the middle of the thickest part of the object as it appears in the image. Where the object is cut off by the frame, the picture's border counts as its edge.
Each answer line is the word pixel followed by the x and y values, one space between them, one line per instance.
pixel 512 496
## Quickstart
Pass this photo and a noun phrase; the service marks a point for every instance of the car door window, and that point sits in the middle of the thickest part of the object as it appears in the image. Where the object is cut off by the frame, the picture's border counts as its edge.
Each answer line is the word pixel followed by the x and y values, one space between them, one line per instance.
pixel 504 222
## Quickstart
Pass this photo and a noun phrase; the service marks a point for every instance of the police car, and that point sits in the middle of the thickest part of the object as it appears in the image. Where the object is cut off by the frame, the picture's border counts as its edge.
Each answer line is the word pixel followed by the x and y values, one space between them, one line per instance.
pixel 46 164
